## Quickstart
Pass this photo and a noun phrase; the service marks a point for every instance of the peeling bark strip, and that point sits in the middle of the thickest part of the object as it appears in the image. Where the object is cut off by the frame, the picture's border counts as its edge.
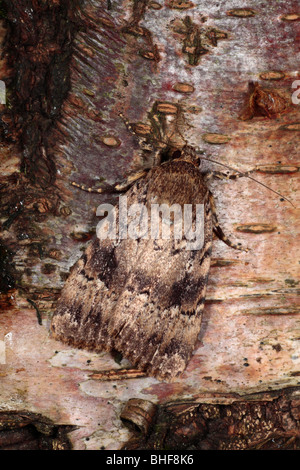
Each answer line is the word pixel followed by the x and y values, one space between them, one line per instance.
pixel 39 46
pixel 260 425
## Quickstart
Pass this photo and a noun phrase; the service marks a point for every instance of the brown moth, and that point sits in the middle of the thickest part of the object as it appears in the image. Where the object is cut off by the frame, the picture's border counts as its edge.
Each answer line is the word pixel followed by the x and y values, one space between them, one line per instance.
pixel 144 296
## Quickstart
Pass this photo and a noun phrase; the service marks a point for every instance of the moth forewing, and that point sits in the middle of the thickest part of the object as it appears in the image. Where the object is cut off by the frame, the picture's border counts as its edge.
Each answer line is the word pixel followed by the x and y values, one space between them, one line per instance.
pixel 143 296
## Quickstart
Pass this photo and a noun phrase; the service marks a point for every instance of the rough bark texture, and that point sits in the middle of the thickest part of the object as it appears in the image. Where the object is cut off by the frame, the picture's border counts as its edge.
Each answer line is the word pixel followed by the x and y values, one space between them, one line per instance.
pixel 251 424
pixel 70 68
pixel 29 431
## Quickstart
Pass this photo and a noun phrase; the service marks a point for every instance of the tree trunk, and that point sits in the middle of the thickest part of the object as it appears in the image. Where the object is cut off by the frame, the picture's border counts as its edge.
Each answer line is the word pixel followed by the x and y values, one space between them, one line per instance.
pixel 70 69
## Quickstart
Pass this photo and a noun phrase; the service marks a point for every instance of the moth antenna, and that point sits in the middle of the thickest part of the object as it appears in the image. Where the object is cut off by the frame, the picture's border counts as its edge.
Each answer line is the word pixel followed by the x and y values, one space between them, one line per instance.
pixel 247 176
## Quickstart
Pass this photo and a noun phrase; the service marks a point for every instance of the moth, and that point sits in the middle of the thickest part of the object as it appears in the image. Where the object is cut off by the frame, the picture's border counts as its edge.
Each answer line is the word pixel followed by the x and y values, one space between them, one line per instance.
pixel 143 296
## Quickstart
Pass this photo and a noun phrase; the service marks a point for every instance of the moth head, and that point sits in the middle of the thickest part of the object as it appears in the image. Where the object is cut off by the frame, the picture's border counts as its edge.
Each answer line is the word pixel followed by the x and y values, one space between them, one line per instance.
pixel 187 153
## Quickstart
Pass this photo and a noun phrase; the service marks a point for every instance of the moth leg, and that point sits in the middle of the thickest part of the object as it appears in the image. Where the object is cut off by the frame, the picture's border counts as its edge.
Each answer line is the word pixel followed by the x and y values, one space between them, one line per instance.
pixel 131 129
pixel 218 230
pixel 91 190
pixel 227 176
pixel 127 123
pixel 119 187
pixel 143 141
pixel 130 180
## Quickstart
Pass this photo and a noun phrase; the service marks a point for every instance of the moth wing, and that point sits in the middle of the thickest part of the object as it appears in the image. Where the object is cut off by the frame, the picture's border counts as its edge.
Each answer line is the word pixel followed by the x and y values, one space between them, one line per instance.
pixel 90 295
pixel 91 292
pixel 157 318
pixel 142 297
